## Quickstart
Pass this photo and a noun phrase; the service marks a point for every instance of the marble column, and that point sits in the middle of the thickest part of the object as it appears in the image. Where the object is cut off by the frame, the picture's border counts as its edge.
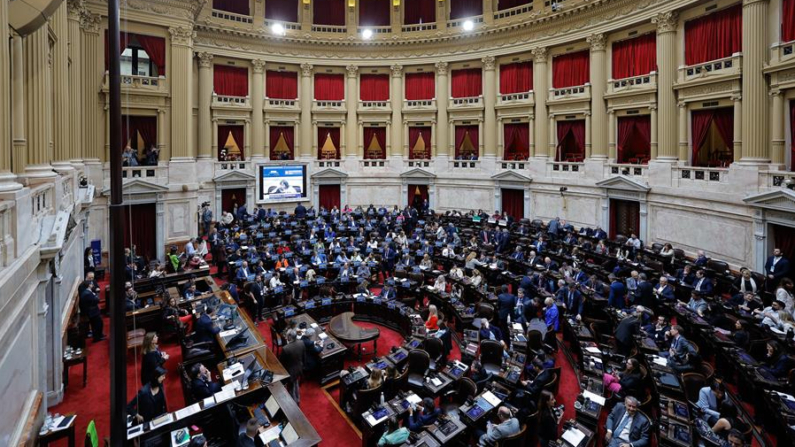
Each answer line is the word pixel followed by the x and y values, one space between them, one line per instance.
pixel 7 179
pixel 352 149
pixel 737 134
pixel 777 128
pixel 442 97
pixel 540 86
pixel 94 118
pixel 666 77
pixel 653 143
pixel 20 142
pixel 588 135
pixel 611 135
pixel 257 98
pixel 305 101
pixel 755 132
pixel 60 89
pixel 396 100
pixel 205 111
pixel 181 72
pixel 684 145
pixel 75 86
pixel 38 101
pixel 489 103
pixel 598 78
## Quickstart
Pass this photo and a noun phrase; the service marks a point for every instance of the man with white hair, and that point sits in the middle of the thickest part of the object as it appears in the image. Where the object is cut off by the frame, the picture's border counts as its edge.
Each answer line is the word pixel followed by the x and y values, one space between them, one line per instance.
pixel 551 314
pixel 507 427
pixel 626 426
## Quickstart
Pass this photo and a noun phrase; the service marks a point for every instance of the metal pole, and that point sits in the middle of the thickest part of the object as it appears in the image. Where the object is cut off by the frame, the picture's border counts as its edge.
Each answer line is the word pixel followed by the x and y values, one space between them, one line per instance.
pixel 118 337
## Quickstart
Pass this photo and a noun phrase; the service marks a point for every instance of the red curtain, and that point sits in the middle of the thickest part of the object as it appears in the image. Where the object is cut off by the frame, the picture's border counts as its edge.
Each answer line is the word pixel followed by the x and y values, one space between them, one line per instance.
pixel 322 132
pixel 516 78
pixel 230 81
pixel 634 132
pixel 635 57
pixel 140 229
pixel 124 40
pixel 701 121
pixel 572 69
pixel 374 12
pixel 380 136
pixel 329 87
pixel 414 135
pixel 517 141
pixel 460 132
pixel 374 87
pixel 282 10
pixel 329 196
pixel 155 47
pixel 418 193
pixel 237 134
pixel 465 8
pixel 792 134
pixel 289 138
pixel 467 83
pixel 513 202
pixel 788 21
pixel 420 86
pixel 235 6
pixel 576 150
pixel 329 12
pixel 419 11
pixel 131 126
pixel 784 239
pixel 715 36
pixel 281 84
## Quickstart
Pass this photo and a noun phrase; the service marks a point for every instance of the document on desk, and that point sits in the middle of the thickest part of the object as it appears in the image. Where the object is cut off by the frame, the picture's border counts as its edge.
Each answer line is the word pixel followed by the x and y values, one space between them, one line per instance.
pixel 229 333
pixel 233 371
pixel 662 361
pixel 594 397
pixel 208 402
pixel 322 335
pixel 187 411
pixel 518 327
pixel 435 381
pixel 413 399
pixel 593 350
pixel 573 436
pixel 270 434
pixel 161 420
pixel 491 399
pixel 224 395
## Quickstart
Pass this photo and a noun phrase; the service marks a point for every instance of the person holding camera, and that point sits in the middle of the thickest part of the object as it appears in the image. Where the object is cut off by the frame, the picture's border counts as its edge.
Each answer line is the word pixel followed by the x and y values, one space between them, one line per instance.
pixel 508 426
pixel 548 419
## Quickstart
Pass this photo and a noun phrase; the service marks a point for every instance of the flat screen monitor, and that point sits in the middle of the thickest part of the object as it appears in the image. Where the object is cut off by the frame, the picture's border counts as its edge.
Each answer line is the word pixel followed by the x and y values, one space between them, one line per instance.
pixel 284 183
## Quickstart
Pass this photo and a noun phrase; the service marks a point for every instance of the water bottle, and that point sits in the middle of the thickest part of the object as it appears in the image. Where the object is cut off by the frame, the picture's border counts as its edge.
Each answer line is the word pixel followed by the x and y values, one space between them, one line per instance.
pixel 382 399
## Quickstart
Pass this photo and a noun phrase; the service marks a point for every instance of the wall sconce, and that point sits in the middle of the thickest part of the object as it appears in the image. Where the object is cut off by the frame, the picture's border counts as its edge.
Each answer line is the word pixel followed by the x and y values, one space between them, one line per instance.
pixel 396 3
pixel 351 3
pixel 306 2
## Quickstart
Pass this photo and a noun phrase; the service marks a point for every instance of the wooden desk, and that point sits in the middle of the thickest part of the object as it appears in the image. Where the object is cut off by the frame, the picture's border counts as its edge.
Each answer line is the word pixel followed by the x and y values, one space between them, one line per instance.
pixel 72 361
pixel 332 357
pixel 262 358
pixel 586 441
pixel 344 329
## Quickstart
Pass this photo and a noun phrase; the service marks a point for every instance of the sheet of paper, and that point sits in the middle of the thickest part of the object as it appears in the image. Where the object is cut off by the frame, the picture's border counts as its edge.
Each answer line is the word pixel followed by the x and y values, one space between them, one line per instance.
pixel 593 350
pixel 322 336
pixel 270 434
pixel 662 361
pixel 187 411
pixel 491 398
pixel 224 394
pixel 518 326
pixel 209 402
pixel 436 382
pixel 229 333
pixel 594 397
pixel 413 399
pixel 573 436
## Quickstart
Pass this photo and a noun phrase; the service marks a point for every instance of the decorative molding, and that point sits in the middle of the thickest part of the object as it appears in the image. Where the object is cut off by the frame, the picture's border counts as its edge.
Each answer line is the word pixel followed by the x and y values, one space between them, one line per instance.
pixel 489 63
pixel 707 89
pixel 258 65
pixel 205 59
pixel 779 200
pixel 598 42
pixel 666 22
pixel 306 70
pixel 623 183
pixel 397 71
pixel 540 54
pixel 189 9
pixel 89 22
pixel 352 70
pixel 441 68
pixel 182 35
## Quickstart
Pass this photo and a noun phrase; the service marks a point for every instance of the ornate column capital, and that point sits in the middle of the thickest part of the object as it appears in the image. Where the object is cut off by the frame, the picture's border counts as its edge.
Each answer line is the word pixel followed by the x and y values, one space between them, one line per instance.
pixel 74 8
pixel 89 22
pixel 737 97
pixel 441 68
pixel 598 42
pixel 775 92
pixel 205 59
pixel 539 54
pixel 397 71
pixel 652 107
pixel 258 65
pixel 587 113
pixel 611 111
pixel 306 70
pixel 666 21
pixel 489 63
pixel 352 70
pixel 181 35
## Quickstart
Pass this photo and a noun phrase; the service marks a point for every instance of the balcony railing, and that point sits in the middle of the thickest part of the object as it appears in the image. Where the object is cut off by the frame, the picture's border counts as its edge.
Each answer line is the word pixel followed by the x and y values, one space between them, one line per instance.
pixel 516 98
pixel 647 81
pixel 329 29
pixel 375 29
pixel 145 172
pixel 460 22
pixel 140 84
pixel 7 236
pixel 419 104
pixel 41 200
pixel 328 163
pixel 281 103
pixel 727 65
pixel 374 105
pixel 222 167
pixel 684 175
pixel 556 168
pixel 416 163
pixel 232 101
pixel 231 16
pixel 630 170
pixel 464 164
pixel 418 27
pixel 372 163
pixel 784 50
pixel 287 25
pixel 324 104
pixel 521 9
pixel 470 101
pixel 506 164
pixel 576 92
pixel 776 179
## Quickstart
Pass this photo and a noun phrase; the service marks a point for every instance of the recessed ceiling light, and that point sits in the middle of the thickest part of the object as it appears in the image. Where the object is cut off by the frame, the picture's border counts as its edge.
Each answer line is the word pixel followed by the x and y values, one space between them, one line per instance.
pixel 469 25
pixel 367 34
pixel 278 29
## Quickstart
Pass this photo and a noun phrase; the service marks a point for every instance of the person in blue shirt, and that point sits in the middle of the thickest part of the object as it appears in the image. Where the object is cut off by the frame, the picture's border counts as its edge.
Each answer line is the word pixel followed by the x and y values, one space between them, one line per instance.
pixel 617 292
pixel 243 272
pixel 318 258
pixel 346 272
pixel 551 314
pixel 387 293
pixel 425 415
pixel 342 258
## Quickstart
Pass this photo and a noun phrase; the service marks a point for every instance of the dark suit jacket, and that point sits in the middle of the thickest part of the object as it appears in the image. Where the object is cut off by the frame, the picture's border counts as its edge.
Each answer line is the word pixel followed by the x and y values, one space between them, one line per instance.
pixel 205 329
pixel 292 358
pixel 645 294
pixel 535 387
pixel 781 270
pixel 300 211
pixel 706 285
pixel 89 303
pixel 245 441
pixel 573 305
pixel 638 433
pixel 505 304
pixel 627 329
pixel 202 389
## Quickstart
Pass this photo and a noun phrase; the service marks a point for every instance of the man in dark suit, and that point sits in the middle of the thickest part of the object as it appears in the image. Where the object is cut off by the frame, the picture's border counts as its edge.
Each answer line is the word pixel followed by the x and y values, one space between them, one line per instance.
pixel 776 267
pixel 256 295
pixel 205 329
pixel 542 377
pixel 644 295
pixel 388 263
pixel 626 331
pixel 387 293
pixel 300 211
pixel 681 355
pixel 599 233
pixel 626 427
pixel 664 291
pixel 702 283
pixel 573 299
pixel 534 259
pixel 250 437
pixel 292 358
pixel 243 272
pixel 89 306
pixel 617 293
pixel 202 385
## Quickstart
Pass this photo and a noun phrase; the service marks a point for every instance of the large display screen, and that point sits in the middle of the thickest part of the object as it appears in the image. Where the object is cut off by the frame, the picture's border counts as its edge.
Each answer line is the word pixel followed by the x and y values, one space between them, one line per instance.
pixel 282 183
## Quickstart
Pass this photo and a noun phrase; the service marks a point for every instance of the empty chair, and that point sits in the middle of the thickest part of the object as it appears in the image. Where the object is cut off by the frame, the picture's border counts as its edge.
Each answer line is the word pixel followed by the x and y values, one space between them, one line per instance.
pixel 364 399
pixel 485 310
pixel 656 247
pixel 491 356
pixel 462 389
pixel 434 347
pixel 418 364
pixel 692 383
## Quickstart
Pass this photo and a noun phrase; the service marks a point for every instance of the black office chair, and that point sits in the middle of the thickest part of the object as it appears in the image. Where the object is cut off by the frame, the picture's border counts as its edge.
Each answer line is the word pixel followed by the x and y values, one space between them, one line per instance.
pixel 692 383
pixel 419 362
pixel 485 310
pixel 491 356
pixel 462 389
pixel 435 348
pixel 365 399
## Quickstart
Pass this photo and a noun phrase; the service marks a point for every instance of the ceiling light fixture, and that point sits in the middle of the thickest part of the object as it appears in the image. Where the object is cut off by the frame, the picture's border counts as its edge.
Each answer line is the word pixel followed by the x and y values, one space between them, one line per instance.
pixel 469 25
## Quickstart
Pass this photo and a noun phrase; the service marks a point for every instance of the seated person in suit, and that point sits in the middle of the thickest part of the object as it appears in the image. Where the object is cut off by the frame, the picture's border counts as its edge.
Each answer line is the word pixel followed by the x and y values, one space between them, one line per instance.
pixel 541 377
pixel 777 362
pixel 681 355
pixel 709 401
pixel 685 275
pixel 394 433
pixel 697 303
pixel 425 415
pixel 628 382
pixel 508 426
pixel 663 290
pixel 626 427
pixel 702 283
pixel 657 331
pixel 746 301
pixel 202 385
pixel 250 436
pixel 205 329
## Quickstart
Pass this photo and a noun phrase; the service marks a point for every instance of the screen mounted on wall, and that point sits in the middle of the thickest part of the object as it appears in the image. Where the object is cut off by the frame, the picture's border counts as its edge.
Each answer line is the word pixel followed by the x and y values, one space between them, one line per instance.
pixel 282 183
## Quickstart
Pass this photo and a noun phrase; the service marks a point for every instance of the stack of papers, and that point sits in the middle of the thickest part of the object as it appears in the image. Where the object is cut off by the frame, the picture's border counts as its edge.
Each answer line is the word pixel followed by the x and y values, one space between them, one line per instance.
pixel 187 411
pixel 518 327
pixel 413 399
pixel 594 397
pixel 662 361
pixel 270 434
pixel 229 333
pixel 593 350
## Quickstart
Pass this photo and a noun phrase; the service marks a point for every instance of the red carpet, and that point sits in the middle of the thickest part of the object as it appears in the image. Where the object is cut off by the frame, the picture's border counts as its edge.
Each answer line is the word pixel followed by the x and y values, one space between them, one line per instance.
pixel 93 401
